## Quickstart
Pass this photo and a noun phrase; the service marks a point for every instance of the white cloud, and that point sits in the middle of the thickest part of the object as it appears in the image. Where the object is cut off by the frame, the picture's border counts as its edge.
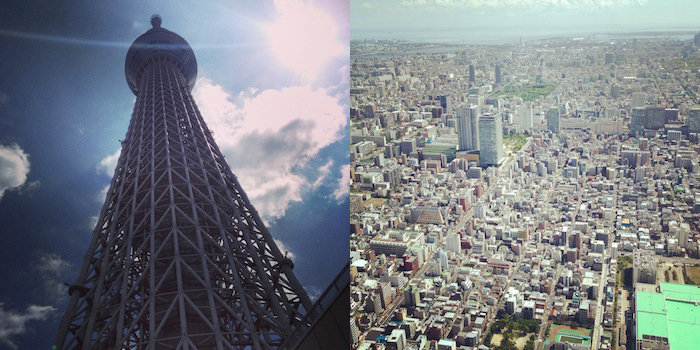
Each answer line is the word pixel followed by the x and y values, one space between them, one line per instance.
pixel 342 90
pixel 285 251
pixel 13 323
pixel 102 195
pixel 510 4
pixel 29 187
pixel 51 270
pixel 304 37
pixel 343 183
pixel 4 98
pixel 14 167
pixel 139 26
pixel 267 136
pixel 323 172
pixel 109 163
pixel 93 222
pixel 52 264
pixel 314 293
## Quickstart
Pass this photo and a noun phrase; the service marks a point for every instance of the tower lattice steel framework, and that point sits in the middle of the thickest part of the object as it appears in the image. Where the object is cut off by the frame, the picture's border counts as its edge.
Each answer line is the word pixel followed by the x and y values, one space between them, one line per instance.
pixel 179 258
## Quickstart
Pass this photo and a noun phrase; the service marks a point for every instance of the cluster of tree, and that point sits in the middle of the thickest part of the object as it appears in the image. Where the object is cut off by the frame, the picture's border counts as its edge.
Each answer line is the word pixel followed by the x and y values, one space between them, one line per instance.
pixel 624 265
pixel 512 328
pixel 530 345
pixel 507 343
pixel 575 325
pixel 516 325
pixel 517 141
pixel 624 262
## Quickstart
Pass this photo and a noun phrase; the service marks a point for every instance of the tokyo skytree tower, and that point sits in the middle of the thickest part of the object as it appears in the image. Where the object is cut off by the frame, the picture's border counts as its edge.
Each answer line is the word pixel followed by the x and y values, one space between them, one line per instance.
pixel 179 258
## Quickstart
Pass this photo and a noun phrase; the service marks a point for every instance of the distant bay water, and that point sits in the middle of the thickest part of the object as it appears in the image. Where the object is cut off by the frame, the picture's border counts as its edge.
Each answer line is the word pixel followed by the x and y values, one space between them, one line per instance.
pixel 499 36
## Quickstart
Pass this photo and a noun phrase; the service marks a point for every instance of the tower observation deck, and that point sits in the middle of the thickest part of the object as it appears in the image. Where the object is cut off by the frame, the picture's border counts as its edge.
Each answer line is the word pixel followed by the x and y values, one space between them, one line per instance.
pixel 179 258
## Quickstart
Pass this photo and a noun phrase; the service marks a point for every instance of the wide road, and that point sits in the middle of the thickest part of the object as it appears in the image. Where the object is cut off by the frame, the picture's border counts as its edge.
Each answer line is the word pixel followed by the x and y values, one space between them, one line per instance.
pixel 598 323
pixel 386 314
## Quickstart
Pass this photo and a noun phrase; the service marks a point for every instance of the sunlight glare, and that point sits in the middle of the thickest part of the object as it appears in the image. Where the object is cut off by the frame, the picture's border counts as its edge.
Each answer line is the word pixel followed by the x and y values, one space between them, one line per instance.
pixel 303 37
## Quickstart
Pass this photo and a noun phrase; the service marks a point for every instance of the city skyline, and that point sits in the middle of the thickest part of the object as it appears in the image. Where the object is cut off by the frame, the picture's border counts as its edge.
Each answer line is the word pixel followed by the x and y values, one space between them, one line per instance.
pixel 575 223
pixel 65 107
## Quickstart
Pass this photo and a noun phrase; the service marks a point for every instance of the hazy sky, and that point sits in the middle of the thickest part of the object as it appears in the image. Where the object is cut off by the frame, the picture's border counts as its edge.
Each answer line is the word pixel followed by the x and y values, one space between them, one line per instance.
pixel 265 67
pixel 390 16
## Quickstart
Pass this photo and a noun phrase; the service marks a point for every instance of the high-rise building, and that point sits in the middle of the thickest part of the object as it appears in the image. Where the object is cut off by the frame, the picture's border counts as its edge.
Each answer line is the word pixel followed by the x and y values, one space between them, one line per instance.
pixel 453 242
pixel 637 121
pixel 179 258
pixel 490 139
pixel 654 117
pixel 446 344
pixel 608 58
pixel 445 102
pixel 354 331
pixel 553 120
pixel 498 74
pixel 694 119
pixel 584 310
pixel 529 309
pixel 396 340
pixel 615 91
pixel 468 127
pixel 525 116
pixel 472 74
pixel 408 146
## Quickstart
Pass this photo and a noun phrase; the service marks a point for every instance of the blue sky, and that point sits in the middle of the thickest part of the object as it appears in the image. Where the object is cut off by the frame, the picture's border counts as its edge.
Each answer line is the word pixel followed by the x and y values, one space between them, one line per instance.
pixel 65 105
pixel 387 17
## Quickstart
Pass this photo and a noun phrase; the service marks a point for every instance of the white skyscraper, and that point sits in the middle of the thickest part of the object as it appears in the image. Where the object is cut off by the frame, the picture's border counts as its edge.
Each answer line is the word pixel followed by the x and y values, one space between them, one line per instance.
pixel 525 116
pixel 441 256
pixel 490 139
pixel 453 244
pixel 468 127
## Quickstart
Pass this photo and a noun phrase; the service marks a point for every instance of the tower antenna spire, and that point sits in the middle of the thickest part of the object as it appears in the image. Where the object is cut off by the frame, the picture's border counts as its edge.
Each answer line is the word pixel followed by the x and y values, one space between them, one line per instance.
pixel 156 20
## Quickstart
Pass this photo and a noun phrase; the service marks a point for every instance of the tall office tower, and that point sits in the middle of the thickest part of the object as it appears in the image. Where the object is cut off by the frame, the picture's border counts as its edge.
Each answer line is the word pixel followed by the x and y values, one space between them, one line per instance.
pixel 654 117
pixel 498 74
pixel 453 242
pixel 490 139
pixel 615 91
pixel 637 120
pixel 468 127
pixel 472 74
pixel 694 119
pixel 553 120
pixel 445 102
pixel 608 58
pixel 179 258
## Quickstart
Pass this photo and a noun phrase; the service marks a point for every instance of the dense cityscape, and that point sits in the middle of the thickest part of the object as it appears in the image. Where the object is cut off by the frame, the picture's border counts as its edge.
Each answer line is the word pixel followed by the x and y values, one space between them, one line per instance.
pixel 536 195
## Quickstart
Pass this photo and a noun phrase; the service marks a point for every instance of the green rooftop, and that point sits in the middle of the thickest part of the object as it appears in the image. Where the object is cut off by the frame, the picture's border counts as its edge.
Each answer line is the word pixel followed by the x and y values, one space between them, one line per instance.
pixel 673 314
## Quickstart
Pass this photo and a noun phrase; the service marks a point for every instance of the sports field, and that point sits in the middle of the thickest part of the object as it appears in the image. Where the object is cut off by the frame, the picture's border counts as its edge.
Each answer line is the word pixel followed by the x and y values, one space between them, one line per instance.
pixel 572 340
pixel 567 334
